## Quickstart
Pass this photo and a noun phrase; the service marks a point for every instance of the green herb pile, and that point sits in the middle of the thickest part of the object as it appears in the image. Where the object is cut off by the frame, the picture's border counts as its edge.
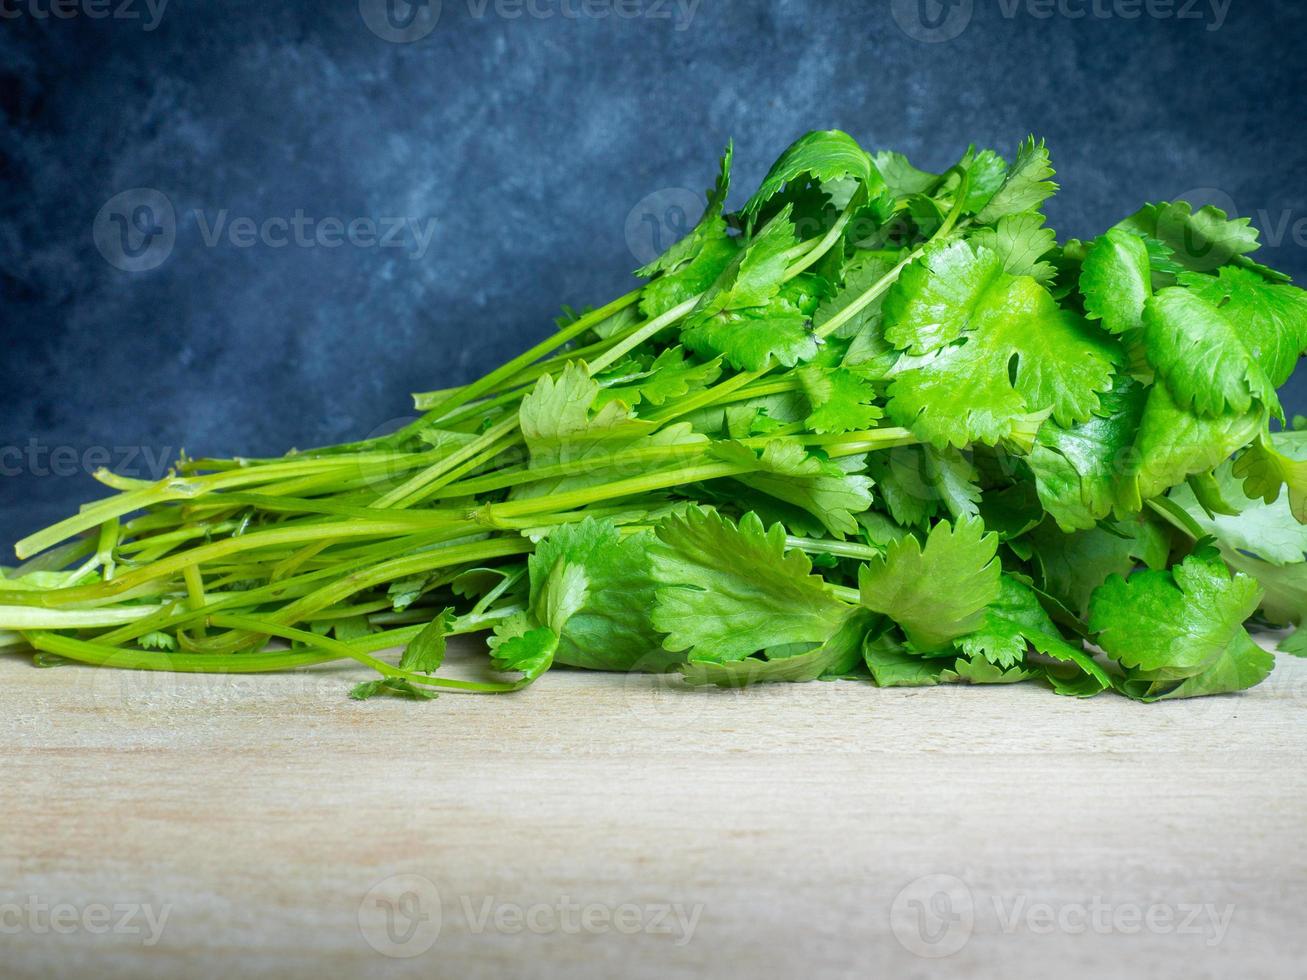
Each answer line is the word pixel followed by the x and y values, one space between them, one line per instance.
pixel 877 424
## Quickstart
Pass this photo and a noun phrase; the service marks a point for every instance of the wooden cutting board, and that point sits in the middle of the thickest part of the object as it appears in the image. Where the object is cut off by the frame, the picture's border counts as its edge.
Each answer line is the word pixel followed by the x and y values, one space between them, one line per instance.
pixel 597 826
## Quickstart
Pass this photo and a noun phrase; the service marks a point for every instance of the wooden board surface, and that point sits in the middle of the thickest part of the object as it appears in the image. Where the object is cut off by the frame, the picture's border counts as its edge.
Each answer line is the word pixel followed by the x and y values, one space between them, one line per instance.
pixel 596 826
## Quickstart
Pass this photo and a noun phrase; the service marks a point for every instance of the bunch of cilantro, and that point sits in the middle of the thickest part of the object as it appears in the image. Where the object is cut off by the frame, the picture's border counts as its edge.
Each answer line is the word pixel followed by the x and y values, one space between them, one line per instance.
pixel 875 425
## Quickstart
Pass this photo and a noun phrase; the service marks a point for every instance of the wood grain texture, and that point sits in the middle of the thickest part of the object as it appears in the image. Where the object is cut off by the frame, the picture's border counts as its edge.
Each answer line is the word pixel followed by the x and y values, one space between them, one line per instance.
pixel 822 830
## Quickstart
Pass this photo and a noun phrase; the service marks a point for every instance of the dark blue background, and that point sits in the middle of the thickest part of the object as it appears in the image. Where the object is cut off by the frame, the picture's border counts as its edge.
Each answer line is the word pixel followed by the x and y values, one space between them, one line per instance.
pixel 529 140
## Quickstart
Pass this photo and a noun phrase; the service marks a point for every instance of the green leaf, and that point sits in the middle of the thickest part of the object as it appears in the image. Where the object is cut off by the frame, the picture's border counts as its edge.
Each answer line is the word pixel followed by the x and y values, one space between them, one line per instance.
pixel 1200 354
pixel 395 687
pixel 1173 444
pixel 820 155
pixel 426 651
pixel 860 274
pixel 609 628
pixel 834 658
pixel 156 640
pixel 725 592
pixel 1015 621
pixel 830 490
pixel 673 288
pixel 1295 644
pixel 1085 472
pixel 938 592
pixel 517 646
pixel 744 315
pixel 901 178
pixel 1202 240
pixel 1072 566
pixel 841 401
pixel 918 482
pixel 1265 470
pixel 1263 529
pixel 671 376
pixel 1180 633
pixel 983 672
pixel 1026 185
pixel 1116 280
pixel 1021 354
pixel 893 664
pixel 406 591
pixel 710 225
pixel 561 424
pixel 1020 241
pixel 1271 319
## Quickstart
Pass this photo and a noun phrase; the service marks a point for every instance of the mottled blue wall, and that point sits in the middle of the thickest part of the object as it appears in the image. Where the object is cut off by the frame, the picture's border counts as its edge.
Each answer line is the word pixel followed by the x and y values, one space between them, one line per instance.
pixel 520 137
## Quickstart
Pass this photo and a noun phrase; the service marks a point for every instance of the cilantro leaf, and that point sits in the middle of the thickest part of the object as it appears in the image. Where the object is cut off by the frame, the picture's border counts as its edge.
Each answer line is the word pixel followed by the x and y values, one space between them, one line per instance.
pixel 901 178
pixel 1021 354
pixel 710 225
pixel 834 658
pixel 1084 472
pixel 841 400
pixel 824 155
pixel 671 375
pixel 426 651
pixel 1026 185
pixel 936 592
pixel 1264 469
pixel 1016 620
pixel 1173 444
pixel 609 627
pixel 1271 318
pixel 830 490
pixel 1266 529
pixel 1072 566
pixel 917 482
pixel 726 591
pixel 1201 240
pixel 518 646
pixel 1200 354
pixel 395 687
pixel 1180 633
pixel 1020 241
pixel 1116 280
